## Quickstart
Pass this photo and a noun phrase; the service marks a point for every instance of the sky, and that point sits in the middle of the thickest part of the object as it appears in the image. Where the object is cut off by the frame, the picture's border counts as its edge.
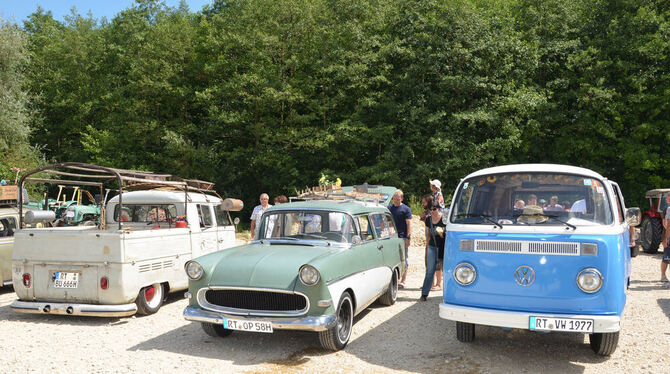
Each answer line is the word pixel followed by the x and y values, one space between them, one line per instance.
pixel 18 10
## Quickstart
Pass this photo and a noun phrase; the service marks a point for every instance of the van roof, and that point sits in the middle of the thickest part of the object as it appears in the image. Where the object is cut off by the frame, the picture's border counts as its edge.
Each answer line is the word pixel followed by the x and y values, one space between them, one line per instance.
pixel 157 197
pixel 537 168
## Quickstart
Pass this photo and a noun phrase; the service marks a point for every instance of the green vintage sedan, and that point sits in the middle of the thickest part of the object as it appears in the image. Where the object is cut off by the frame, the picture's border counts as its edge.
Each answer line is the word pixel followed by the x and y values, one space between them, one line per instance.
pixel 315 266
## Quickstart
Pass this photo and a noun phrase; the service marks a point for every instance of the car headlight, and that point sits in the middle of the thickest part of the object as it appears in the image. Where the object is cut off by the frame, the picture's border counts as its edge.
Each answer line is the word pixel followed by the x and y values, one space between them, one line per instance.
pixel 589 280
pixel 465 274
pixel 309 276
pixel 193 270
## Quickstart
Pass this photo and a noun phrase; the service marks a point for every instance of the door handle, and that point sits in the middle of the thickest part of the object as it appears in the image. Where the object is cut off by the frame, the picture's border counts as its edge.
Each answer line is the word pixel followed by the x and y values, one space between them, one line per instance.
pixel 380 246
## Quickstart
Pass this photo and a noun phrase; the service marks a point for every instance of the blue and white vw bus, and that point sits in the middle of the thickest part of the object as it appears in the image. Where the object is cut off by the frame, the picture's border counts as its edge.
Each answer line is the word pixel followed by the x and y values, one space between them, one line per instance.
pixel 541 247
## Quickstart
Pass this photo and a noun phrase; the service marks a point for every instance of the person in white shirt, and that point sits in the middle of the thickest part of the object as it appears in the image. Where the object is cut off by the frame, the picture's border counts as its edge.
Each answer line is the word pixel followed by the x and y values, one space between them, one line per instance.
pixel 258 212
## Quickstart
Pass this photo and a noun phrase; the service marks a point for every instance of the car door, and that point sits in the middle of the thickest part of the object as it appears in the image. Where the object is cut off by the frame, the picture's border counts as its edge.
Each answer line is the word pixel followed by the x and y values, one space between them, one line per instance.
pixel 394 247
pixel 384 231
pixel 208 235
pixel 225 231
pixel 7 228
pixel 365 264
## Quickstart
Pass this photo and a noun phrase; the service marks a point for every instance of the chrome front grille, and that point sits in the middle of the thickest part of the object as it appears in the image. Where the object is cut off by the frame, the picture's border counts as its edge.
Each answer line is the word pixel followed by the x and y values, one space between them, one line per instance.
pixel 528 247
pixel 251 301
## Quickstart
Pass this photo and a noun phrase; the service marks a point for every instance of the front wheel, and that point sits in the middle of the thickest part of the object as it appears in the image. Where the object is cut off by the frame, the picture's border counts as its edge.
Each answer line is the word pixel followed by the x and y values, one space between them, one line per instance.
pixel 215 330
pixel 465 332
pixel 338 336
pixel 150 299
pixel 604 344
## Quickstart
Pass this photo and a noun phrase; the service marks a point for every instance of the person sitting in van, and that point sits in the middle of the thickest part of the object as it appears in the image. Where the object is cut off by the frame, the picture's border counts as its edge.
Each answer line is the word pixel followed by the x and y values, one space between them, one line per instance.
pixel 519 204
pixel 553 205
pixel 579 206
pixel 532 199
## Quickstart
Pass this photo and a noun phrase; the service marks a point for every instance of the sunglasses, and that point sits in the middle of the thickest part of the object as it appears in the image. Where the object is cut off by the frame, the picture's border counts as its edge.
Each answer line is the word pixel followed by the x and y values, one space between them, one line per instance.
pixel 433 208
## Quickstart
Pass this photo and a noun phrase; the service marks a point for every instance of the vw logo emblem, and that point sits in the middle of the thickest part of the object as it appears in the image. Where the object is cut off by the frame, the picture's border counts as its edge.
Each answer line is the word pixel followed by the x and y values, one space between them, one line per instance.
pixel 524 275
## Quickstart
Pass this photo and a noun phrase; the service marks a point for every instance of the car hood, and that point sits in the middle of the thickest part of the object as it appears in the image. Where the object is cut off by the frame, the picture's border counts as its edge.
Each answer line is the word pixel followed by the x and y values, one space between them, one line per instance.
pixel 264 265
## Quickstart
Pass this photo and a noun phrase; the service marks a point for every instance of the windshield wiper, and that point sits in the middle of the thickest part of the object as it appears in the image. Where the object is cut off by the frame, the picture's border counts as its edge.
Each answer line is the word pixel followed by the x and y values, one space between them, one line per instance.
pixel 555 218
pixel 481 215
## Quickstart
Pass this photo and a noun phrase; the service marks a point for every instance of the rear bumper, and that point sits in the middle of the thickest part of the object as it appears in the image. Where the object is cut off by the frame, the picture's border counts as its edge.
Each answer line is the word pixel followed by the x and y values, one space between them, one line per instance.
pixel 94 310
pixel 519 320
pixel 320 323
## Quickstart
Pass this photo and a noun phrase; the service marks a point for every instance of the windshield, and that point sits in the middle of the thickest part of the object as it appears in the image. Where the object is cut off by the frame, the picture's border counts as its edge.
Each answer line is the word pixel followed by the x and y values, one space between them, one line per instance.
pixel 531 199
pixel 313 225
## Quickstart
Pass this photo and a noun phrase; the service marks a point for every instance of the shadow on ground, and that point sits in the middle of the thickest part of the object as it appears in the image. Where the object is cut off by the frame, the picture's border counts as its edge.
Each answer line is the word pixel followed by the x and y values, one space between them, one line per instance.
pixel 415 340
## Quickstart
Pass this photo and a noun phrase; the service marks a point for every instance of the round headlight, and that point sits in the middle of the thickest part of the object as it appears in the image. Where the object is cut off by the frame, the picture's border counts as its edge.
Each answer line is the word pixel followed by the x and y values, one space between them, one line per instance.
pixel 465 274
pixel 590 280
pixel 309 276
pixel 193 270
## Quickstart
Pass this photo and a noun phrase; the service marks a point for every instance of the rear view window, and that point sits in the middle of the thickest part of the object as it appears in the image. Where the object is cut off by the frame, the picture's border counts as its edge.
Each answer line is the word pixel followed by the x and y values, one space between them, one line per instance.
pixel 145 213
pixel 7 226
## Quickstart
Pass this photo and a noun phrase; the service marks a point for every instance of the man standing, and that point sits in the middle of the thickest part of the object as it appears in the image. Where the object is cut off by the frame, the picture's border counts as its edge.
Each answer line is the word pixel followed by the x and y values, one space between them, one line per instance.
pixel 402 216
pixel 666 247
pixel 258 212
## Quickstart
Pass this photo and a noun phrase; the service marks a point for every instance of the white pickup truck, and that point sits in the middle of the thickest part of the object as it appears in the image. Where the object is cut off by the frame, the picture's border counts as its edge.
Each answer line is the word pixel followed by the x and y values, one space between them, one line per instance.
pixel 126 264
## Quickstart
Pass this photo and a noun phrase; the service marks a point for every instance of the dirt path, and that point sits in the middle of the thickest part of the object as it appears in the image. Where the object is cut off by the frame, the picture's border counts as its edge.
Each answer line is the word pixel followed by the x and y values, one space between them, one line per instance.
pixel 407 337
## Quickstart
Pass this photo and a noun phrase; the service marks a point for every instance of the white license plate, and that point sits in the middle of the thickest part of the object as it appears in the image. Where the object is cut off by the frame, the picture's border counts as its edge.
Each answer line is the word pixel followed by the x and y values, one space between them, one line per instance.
pixel 63 279
pixel 242 325
pixel 561 324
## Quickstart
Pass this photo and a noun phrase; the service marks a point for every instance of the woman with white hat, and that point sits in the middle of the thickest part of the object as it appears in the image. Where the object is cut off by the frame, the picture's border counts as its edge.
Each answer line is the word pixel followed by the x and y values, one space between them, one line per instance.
pixel 436 187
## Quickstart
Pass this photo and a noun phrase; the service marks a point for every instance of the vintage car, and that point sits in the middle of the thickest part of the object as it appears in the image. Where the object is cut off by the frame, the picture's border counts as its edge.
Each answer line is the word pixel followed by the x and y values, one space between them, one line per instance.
pixel 129 260
pixel 9 217
pixel 315 266
pixel 512 263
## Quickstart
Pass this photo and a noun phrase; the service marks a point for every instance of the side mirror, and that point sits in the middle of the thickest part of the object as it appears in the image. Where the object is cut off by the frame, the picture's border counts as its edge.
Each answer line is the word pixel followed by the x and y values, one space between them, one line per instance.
pixel 633 216
pixel 356 240
pixel 236 221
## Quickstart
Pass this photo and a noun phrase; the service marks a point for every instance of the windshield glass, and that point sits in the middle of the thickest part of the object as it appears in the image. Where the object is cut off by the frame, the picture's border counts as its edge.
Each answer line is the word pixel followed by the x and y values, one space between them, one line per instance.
pixel 313 225
pixel 531 199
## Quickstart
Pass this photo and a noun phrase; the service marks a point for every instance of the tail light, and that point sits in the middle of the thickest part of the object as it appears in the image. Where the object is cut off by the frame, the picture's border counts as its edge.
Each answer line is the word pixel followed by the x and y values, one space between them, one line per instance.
pixel 26 280
pixel 104 283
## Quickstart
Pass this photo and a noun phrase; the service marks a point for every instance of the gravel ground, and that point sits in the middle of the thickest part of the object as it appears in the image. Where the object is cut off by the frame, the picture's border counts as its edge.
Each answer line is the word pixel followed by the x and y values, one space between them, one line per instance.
pixel 406 337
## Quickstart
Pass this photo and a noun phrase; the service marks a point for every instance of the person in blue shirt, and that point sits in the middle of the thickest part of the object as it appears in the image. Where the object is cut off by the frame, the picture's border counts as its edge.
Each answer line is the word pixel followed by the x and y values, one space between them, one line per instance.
pixel 402 217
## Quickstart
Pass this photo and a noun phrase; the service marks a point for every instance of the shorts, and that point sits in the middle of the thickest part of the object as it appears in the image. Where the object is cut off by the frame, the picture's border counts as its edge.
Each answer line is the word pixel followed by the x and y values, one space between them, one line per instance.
pixel 666 255
pixel 440 263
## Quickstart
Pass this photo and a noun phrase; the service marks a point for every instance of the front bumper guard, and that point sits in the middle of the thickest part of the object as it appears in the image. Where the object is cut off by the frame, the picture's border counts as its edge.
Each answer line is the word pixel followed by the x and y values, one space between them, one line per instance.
pixel 319 323
pixel 95 310
pixel 520 320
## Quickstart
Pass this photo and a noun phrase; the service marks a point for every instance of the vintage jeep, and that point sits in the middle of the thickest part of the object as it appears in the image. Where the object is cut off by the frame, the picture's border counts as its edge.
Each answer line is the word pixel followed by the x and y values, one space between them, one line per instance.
pixel 651 228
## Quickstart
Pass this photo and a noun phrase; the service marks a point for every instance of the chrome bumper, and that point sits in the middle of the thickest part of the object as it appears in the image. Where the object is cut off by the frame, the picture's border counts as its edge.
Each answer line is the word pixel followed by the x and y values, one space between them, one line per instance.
pixel 94 310
pixel 519 320
pixel 320 323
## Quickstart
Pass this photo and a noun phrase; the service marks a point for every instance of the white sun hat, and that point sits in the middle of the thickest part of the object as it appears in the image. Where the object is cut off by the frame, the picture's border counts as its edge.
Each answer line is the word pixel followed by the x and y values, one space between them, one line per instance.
pixel 436 183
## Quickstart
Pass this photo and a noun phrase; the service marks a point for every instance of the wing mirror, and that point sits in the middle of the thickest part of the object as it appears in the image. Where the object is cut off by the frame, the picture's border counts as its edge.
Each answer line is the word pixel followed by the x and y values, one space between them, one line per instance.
pixel 236 221
pixel 633 216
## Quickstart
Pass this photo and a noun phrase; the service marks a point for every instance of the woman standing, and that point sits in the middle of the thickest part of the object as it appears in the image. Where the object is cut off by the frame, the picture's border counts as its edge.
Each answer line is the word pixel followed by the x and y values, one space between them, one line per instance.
pixel 435 233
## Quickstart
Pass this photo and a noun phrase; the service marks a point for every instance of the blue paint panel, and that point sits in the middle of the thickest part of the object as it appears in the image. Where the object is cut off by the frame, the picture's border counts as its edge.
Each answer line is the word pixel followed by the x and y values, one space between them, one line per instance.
pixel 555 288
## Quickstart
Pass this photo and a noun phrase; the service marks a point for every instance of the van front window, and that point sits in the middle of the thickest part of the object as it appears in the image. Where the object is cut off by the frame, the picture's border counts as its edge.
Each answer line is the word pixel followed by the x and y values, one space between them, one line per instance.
pixel 532 199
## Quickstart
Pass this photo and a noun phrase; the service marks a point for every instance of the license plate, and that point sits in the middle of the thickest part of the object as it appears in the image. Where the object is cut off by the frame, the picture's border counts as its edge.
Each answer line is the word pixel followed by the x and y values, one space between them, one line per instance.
pixel 255 326
pixel 561 324
pixel 64 279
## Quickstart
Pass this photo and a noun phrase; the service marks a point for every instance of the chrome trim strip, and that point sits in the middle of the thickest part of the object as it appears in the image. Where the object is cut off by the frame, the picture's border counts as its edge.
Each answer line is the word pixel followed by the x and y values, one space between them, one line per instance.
pixel 343 277
pixel 528 247
pixel 316 323
pixel 520 320
pixel 94 310
pixel 7 283
pixel 202 301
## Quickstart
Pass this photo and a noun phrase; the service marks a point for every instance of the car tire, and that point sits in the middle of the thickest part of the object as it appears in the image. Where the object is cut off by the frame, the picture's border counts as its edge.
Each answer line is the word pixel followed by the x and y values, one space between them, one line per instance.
pixel 215 330
pixel 651 232
pixel 465 332
pixel 389 297
pixel 150 299
pixel 604 344
pixel 337 337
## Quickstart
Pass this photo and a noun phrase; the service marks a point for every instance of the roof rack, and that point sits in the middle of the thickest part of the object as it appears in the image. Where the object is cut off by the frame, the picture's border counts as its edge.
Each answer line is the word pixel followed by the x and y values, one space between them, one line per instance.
pixel 361 193
pixel 99 176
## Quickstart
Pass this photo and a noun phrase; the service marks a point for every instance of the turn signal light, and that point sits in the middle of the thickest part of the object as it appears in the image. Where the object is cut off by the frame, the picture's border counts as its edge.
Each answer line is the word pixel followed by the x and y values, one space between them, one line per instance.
pixel 26 280
pixel 104 283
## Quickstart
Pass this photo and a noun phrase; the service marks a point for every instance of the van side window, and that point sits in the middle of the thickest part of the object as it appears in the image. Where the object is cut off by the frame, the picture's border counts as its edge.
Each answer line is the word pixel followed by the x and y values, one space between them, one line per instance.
pixel 145 213
pixel 366 228
pixel 619 206
pixel 205 216
pixel 222 217
pixel 7 226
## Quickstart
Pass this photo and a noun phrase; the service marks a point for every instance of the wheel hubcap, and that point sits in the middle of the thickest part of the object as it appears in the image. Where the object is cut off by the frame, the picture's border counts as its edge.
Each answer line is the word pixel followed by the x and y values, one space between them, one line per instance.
pixel 343 322
pixel 149 294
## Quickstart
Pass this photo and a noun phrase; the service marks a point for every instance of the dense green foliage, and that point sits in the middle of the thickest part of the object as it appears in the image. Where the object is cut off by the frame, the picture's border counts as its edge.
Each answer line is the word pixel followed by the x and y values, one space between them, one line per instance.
pixel 265 95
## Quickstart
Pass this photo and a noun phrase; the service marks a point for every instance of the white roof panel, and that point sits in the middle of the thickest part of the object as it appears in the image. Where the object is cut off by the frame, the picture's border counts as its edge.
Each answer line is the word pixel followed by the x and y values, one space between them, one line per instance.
pixel 156 196
pixel 537 168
